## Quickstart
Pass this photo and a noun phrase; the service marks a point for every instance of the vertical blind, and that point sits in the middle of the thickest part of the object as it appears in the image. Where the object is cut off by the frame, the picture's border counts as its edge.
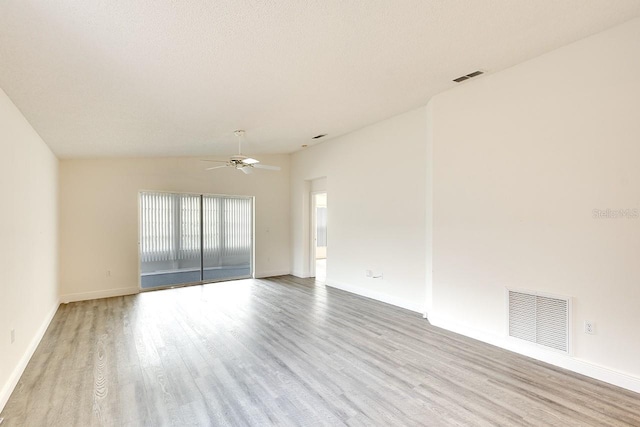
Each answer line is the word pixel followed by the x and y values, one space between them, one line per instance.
pixel 170 226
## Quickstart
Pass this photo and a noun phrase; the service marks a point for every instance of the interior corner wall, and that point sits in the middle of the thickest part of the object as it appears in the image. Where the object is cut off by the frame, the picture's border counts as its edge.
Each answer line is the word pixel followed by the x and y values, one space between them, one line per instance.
pixel 99 216
pixel 375 182
pixel 429 213
pixel 28 246
pixel 536 185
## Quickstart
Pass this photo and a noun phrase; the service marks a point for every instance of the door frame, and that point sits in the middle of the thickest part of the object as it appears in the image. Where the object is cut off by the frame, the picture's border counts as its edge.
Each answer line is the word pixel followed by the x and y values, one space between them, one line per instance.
pixel 313 231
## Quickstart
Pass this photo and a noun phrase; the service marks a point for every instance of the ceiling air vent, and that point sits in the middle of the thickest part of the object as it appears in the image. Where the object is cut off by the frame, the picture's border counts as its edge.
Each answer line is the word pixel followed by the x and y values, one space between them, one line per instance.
pixel 468 76
pixel 540 319
pixel 322 135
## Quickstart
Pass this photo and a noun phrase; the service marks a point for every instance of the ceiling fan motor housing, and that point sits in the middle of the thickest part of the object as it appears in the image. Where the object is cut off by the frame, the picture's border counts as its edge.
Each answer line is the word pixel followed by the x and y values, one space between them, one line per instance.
pixel 237 158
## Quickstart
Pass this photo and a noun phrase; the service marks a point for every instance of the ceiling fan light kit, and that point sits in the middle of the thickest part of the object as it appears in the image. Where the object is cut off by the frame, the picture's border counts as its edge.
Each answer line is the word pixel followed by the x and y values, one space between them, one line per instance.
pixel 238 161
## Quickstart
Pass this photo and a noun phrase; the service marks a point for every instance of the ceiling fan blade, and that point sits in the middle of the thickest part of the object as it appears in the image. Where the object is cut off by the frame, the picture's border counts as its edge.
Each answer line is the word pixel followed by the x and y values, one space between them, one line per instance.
pixel 246 169
pixel 216 167
pixel 215 161
pixel 250 161
pixel 271 168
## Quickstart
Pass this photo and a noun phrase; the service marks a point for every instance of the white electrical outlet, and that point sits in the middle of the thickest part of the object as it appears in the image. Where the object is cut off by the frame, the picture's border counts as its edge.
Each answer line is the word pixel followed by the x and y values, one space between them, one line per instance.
pixel 13 336
pixel 589 327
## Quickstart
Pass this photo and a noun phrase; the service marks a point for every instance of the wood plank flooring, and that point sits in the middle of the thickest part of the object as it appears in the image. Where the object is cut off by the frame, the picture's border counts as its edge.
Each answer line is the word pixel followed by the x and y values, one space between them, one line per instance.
pixel 286 352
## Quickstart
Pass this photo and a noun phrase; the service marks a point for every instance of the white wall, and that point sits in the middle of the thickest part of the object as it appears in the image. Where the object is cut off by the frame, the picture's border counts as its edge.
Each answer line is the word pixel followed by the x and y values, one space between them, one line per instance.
pixel 375 180
pixel 28 243
pixel 521 158
pixel 99 216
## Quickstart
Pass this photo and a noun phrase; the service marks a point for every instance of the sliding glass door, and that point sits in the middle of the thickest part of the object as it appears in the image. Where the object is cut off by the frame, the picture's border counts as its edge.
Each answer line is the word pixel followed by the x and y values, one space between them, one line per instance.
pixel 190 238
pixel 228 237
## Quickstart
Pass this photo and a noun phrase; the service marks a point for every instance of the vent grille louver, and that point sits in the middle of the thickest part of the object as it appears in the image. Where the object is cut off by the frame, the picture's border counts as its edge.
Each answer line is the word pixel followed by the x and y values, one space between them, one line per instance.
pixel 475 73
pixel 468 76
pixel 539 319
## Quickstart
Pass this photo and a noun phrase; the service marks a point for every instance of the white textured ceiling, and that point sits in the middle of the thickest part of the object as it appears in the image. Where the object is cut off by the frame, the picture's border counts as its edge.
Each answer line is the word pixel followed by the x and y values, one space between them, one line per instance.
pixel 172 78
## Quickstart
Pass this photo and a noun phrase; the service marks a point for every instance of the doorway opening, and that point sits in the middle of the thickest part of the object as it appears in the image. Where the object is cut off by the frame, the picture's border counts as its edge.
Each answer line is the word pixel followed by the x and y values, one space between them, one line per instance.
pixel 319 238
pixel 194 239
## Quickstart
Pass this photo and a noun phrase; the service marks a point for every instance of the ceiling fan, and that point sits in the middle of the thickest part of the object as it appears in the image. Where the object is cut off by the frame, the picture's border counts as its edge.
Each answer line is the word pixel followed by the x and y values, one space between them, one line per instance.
pixel 238 161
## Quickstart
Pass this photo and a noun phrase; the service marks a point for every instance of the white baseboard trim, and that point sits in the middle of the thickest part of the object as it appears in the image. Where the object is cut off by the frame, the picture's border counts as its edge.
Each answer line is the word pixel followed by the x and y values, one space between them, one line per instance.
pixel 263 274
pixel 300 274
pixel 570 363
pixel 10 385
pixel 378 296
pixel 107 293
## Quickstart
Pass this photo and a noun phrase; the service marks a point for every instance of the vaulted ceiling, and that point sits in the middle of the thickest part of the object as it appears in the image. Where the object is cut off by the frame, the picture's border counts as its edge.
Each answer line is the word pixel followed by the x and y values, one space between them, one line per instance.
pixel 166 78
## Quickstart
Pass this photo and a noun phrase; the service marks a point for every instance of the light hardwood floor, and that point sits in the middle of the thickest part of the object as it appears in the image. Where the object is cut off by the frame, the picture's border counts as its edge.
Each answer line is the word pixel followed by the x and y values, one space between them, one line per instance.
pixel 286 352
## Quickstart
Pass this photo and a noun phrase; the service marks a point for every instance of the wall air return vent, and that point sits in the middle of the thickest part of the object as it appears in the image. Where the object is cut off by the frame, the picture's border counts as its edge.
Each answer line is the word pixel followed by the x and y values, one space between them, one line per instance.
pixel 539 318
